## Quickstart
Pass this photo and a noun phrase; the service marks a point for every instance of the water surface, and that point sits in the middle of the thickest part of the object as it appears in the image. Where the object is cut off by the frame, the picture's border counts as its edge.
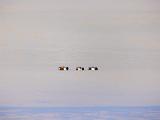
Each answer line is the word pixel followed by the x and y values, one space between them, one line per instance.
pixel 80 113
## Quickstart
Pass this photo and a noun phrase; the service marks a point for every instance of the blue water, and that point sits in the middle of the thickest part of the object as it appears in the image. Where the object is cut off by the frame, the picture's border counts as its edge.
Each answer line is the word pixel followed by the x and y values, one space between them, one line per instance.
pixel 80 113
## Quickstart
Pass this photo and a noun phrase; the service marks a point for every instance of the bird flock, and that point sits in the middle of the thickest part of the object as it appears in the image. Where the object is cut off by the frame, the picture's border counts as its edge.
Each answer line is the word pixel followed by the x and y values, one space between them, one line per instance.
pixel 65 68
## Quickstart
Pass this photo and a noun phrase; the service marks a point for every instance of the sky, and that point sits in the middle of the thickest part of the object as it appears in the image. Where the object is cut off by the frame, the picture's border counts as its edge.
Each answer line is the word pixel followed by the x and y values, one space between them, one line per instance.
pixel 121 37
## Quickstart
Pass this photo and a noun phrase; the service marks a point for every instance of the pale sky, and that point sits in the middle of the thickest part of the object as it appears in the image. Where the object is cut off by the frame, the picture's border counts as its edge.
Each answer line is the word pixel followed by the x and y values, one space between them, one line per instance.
pixel 121 37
